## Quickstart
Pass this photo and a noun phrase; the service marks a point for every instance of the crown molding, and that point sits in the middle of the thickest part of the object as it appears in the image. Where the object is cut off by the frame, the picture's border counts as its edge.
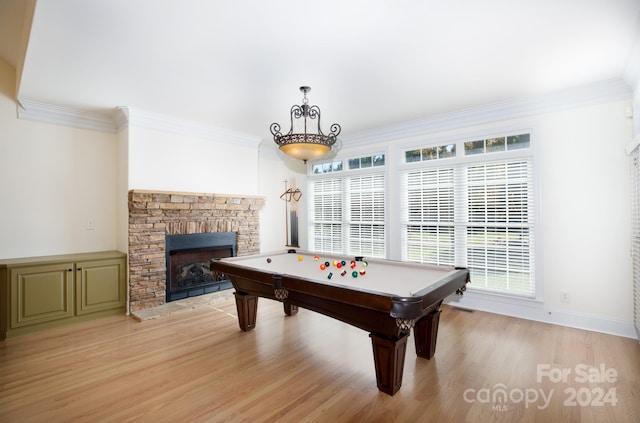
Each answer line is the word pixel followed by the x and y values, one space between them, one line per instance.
pixel 123 117
pixel 504 110
pixel 65 116
pixel 128 117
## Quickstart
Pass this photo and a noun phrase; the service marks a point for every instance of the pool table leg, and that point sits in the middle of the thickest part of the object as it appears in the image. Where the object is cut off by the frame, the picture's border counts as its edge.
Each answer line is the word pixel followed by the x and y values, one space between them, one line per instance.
pixel 247 307
pixel 388 355
pixel 425 333
pixel 290 309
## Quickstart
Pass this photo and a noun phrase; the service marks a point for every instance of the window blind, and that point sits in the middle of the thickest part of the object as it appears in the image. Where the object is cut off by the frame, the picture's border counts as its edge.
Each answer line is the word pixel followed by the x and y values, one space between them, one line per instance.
pixel 326 199
pixel 477 215
pixel 635 236
pixel 348 215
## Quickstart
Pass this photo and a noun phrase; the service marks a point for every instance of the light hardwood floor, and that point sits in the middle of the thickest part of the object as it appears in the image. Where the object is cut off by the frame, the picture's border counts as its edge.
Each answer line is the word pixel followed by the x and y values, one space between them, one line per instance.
pixel 197 366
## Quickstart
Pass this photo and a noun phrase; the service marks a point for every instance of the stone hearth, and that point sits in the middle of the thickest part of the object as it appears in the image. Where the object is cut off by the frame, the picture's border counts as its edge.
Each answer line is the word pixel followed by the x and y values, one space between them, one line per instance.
pixel 154 215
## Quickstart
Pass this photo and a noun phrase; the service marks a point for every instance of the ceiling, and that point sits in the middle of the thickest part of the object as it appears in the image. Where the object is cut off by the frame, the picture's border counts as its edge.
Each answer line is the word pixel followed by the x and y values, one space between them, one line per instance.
pixel 237 65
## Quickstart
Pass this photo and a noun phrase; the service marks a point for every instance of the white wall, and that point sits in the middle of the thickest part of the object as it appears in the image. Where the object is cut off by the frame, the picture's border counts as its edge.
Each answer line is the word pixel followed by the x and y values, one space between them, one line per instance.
pixel 586 209
pixel 52 180
pixel 275 168
pixel 173 162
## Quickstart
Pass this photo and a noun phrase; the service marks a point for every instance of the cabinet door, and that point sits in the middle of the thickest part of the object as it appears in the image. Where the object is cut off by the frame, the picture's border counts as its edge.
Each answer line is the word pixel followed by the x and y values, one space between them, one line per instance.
pixel 41 294
pixel 100 285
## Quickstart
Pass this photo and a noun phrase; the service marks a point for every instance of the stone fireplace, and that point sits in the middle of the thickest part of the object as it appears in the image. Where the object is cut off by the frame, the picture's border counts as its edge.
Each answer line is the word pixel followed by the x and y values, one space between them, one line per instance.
pixel 155 215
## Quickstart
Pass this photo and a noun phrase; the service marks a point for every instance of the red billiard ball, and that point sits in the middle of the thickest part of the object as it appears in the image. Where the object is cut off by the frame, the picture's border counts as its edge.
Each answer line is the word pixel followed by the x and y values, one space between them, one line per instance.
pixel 363 272
pixel 338 265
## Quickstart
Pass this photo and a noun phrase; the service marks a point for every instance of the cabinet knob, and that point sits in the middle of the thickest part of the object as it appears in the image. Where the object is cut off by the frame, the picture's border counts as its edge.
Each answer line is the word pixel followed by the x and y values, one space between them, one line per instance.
pixel 79 268
pixel 70 270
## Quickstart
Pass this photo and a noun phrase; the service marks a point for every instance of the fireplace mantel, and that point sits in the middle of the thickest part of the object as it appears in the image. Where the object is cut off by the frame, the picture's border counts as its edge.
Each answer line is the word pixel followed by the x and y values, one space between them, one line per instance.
pixel 155 214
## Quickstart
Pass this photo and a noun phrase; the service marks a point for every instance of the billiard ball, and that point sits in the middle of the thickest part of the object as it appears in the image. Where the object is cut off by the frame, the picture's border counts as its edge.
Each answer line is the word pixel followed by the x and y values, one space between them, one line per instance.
pixel 268 260
pixel 354 274
pixel 344 272
pixel 300 258
pixel 323 266
pixel 330 275
pixel 316 258
pixel 364 263
pixel 327 264
pixel 338 265
pixel 344 263
pixel 362 272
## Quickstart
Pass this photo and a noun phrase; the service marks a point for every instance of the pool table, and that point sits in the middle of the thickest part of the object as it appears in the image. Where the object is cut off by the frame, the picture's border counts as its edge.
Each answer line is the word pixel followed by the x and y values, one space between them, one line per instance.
pixel 383 297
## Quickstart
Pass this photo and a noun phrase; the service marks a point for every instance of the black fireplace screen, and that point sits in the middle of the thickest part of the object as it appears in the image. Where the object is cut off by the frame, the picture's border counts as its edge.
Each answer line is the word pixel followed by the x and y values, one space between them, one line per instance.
pixel 188 257
pixel 191 268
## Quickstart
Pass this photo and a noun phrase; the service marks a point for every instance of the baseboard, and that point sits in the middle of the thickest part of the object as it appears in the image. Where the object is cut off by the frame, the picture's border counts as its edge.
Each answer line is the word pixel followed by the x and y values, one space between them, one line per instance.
pixel 536 310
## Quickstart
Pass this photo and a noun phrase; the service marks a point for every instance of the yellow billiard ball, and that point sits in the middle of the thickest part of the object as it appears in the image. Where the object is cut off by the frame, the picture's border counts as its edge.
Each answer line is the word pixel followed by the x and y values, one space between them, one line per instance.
pixel 300 258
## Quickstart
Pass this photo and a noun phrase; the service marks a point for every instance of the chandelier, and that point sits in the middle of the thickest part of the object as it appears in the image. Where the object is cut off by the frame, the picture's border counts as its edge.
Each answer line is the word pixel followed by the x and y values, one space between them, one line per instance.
pixel 305 140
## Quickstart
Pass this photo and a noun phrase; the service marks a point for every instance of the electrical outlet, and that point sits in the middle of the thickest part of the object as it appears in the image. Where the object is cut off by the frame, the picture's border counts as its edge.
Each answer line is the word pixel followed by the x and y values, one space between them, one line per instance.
pixel 90 225
pixel 564 296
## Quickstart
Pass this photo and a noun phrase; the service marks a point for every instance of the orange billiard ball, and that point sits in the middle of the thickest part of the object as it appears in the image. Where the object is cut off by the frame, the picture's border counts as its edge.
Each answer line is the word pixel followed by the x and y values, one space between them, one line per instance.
pixel 323 266
pixel 316 258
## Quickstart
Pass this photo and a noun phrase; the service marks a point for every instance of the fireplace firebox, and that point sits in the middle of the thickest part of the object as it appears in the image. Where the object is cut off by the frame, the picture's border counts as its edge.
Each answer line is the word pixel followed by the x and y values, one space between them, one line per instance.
pixel 187 259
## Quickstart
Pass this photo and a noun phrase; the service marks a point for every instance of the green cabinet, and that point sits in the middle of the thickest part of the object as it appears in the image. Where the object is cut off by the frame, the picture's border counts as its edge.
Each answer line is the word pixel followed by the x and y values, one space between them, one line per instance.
pixel 100 286
pixel 41 293
pixel 45 292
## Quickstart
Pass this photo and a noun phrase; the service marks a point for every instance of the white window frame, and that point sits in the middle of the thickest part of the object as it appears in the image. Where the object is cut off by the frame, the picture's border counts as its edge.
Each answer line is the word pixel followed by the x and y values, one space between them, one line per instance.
pixel 344 245
pixel 458 164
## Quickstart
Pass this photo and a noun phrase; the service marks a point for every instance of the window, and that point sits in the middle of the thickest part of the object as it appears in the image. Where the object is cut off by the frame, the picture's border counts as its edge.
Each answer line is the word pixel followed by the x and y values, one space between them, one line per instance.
pixel 347 209
pixel 635 235
pixel 475 212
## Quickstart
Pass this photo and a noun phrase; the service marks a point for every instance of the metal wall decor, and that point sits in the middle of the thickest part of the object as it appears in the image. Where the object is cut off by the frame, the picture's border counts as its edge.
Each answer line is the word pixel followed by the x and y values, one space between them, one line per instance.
pixel 305 140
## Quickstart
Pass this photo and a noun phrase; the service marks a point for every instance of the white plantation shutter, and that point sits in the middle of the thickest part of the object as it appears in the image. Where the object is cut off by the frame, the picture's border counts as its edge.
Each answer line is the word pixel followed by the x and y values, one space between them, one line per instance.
pixel 428 210
pixel 635 237
pixel 499 226
pixel 326 198
pixel 366 202
pixel 348 215
pixel 478 215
